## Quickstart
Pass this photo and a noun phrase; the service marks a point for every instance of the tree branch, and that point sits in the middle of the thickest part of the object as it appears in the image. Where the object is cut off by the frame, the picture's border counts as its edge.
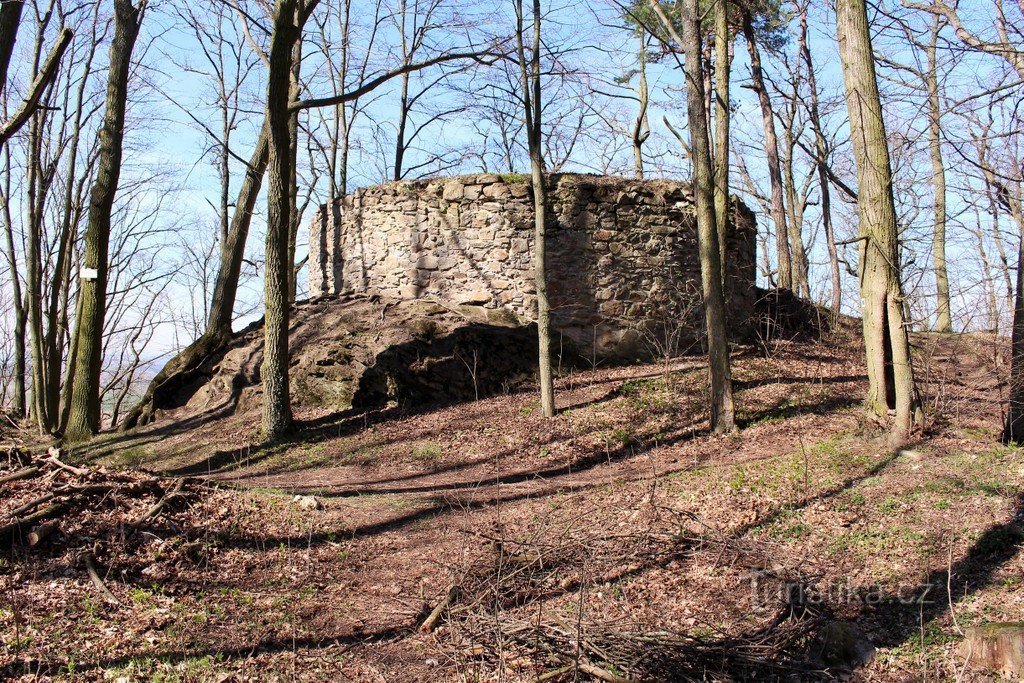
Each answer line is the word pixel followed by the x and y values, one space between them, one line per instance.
pixel 39 85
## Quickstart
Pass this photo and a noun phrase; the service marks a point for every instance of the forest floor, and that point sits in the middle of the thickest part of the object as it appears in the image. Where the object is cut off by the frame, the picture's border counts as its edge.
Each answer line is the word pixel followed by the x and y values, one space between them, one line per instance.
pixel 619 540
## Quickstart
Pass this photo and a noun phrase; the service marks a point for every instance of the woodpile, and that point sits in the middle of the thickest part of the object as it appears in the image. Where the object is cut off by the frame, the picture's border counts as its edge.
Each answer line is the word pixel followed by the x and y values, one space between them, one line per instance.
pixel 48 504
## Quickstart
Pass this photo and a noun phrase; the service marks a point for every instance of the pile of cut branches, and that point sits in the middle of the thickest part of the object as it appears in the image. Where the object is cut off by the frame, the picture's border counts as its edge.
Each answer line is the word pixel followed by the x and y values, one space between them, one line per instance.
pixel 50 506
pixel 503 609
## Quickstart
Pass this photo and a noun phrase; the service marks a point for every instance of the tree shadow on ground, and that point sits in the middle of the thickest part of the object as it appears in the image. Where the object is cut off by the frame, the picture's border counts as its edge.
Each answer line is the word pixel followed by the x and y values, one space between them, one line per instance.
pixel 486 491
pixel 899 620
pixel 346 640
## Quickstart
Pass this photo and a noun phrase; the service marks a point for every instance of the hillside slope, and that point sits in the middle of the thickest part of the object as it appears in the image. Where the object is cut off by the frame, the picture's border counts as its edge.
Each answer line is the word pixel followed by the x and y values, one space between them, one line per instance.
pixel 620 533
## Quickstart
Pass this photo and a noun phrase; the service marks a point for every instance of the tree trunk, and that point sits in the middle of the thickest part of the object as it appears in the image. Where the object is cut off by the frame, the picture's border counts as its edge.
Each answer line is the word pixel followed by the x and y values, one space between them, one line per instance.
pixel 771 146
pixel 84 415
pixel 821 147
pixel 293 177
pixel 641 128
pixel 943 320
pixel 794 206
pixel 1013 431
pixel 723 419
pixel 277 413
pixel 18 401
pixel 890 372
pixel 225 291
pixel 10 21
pixel 723 68
pixel 530 77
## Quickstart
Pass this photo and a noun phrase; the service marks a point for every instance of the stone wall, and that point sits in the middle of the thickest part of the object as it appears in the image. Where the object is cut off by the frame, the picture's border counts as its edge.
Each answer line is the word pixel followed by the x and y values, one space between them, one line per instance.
pixel 622 254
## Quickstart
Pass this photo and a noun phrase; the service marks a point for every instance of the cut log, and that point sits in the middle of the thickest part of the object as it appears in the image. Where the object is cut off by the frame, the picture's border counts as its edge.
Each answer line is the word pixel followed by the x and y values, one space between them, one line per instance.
pixel 996 648
pixel 9 531
pixel 23 473
pixel 42 532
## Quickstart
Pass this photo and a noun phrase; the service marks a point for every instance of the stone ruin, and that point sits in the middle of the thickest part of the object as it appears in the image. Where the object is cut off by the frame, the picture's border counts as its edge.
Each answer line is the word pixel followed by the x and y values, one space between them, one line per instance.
pixel 622 254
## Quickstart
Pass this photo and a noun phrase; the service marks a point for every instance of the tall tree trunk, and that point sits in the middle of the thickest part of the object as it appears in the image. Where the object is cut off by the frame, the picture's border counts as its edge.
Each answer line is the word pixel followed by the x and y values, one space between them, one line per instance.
pixel 18 400
pixel 84 416
pixel 277 412
pixel 821 148
pixel 641 127
pixel 232 251
pixel 723 417
pixel 723 68
pixel 794 201
pixel 293 176
pixel 403 122
pixel 890 372
pixel 771 147
pixel 37 186
pixel 943 319
pixel 1013 431
pixel 530 78
pixel 225 291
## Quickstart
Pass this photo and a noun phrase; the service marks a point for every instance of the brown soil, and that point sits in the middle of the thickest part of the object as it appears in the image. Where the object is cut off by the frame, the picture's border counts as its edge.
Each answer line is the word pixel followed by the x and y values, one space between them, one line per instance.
pixel 619 527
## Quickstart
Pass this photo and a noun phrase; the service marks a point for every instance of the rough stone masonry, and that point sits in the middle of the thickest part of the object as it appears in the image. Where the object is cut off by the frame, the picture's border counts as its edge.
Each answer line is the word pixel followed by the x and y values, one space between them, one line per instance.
pixel 623 268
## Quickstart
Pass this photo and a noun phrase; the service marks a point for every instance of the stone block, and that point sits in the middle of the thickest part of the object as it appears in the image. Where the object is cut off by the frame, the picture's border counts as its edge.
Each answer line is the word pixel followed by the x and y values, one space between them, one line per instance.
pixel 475 297
pixel 611 243
pixel 497 191
pixel 452 190
pixel 519 190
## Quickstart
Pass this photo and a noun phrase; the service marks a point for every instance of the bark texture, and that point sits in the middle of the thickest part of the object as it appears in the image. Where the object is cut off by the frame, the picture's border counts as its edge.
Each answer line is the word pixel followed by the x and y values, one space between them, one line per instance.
pixel 530 76
pixel 277 413
pixel 890 372
pixel 84 410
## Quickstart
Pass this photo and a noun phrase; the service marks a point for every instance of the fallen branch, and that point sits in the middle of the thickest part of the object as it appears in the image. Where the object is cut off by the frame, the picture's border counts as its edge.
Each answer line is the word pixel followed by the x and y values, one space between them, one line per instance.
pixel 430 623
pixel 603 674
pixel 8 532
pixel 90 567
pixel 31 505
pixel 54 459
pixel 174 492
pixel 23 473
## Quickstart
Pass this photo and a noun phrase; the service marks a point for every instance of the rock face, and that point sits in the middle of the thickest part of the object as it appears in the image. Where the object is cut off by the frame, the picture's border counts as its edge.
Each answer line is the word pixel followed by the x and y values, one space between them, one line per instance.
pixel 622 254
pixel 365 352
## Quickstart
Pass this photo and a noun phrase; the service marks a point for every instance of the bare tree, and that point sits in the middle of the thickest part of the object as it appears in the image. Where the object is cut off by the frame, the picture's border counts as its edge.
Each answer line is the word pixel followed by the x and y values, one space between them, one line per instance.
pixel 890 371
pixel 821 149
pixel 84 415
pixel 530 74
pixel 771 145
pixel 722 408
pixel 1008 46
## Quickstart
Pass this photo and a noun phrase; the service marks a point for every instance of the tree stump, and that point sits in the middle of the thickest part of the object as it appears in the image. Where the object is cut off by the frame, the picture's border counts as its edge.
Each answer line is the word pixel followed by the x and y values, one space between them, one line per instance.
pixel 998 648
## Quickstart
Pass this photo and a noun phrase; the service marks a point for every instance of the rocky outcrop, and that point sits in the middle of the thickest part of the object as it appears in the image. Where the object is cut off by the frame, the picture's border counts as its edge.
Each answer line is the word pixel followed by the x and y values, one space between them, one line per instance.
pixel 365 352
pixel 622 254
